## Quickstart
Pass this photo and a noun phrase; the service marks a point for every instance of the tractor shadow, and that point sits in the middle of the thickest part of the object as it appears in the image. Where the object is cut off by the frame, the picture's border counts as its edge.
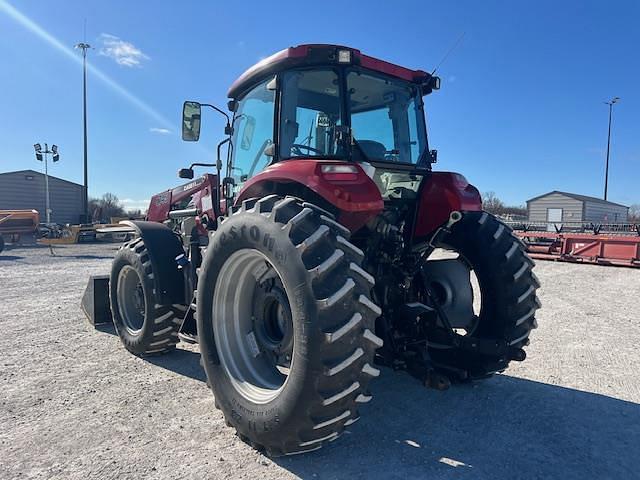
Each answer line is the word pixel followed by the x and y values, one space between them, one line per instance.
pixel 183 362
pixel 504 427
pixel 106 328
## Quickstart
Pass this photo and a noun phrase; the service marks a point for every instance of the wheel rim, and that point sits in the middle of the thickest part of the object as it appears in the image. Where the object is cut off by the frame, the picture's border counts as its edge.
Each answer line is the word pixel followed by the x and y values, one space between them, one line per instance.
pixel 456 288
pixel 253 326
pixel 131 301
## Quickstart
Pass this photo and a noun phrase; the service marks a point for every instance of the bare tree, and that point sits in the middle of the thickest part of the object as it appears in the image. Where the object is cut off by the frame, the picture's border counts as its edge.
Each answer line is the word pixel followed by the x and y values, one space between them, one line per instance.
pixel 106 207
pixel 634 213
pixel 492 204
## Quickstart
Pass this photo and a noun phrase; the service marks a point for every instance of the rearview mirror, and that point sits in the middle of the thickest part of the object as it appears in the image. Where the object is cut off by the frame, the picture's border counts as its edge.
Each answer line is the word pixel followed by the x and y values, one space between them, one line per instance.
pixel 185 173
pixel 191 121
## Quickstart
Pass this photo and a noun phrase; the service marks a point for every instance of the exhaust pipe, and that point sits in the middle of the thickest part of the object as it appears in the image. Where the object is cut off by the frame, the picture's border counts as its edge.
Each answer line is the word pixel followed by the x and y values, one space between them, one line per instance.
pixel 454 217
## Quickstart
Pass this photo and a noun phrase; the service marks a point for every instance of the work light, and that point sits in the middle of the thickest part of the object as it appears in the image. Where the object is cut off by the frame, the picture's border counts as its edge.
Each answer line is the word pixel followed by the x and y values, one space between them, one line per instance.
pixel 344 56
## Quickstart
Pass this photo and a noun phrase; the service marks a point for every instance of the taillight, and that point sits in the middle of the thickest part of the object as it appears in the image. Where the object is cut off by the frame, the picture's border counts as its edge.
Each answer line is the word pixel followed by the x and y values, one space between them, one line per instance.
pixel 339 172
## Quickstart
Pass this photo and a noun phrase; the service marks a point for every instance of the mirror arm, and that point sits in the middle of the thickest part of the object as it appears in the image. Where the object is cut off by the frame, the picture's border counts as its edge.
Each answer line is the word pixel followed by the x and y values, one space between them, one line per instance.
pixel 202 165
pixel 227 129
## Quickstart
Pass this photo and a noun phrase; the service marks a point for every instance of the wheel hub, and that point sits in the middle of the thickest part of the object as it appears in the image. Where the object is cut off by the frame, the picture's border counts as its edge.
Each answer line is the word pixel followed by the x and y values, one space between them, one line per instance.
pixel 272 319
pixel 138 299
pixel 131 301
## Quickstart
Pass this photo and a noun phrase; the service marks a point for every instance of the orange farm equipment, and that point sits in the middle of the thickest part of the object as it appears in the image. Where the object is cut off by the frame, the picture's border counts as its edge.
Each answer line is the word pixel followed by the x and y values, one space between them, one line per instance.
pixel 15 223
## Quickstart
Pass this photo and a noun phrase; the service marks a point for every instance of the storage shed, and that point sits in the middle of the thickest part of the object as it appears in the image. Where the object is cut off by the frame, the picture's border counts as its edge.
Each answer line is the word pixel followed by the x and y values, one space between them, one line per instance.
pixel 25 190
pixel 564 207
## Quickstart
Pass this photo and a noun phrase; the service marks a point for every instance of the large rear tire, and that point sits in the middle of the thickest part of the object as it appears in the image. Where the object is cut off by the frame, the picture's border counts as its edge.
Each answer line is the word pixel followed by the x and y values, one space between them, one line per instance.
pixel 286 389
pixel 145 325
pixel 507 288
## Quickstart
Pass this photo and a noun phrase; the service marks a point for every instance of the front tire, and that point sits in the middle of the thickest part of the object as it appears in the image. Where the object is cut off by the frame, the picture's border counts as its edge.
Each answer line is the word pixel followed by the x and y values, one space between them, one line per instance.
pixel 305 260
pixel 145 325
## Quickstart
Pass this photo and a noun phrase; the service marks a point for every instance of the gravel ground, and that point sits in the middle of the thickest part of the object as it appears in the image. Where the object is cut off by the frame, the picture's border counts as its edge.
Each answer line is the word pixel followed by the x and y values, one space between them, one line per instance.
pixel 76 405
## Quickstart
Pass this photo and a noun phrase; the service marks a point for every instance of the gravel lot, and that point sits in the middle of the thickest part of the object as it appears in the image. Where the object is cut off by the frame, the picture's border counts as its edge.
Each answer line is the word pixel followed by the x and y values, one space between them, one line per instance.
pixel 75 405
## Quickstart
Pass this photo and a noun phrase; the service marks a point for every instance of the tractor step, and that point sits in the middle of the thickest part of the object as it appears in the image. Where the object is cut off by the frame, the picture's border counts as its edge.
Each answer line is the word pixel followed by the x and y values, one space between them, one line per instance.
pixel 188 331
pixel 188 338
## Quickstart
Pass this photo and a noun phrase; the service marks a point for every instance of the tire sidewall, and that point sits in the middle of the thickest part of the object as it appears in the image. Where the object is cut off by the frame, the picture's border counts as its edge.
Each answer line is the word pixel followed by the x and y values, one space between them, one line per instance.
pixel 255 231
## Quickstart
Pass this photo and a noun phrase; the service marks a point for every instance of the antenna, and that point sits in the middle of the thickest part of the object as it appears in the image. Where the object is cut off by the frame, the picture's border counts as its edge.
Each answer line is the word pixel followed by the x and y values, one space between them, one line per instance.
pixel 453 47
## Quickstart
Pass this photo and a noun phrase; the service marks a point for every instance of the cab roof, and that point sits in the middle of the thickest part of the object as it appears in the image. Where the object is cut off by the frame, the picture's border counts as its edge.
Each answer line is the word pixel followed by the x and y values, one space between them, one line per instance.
pixel 318 54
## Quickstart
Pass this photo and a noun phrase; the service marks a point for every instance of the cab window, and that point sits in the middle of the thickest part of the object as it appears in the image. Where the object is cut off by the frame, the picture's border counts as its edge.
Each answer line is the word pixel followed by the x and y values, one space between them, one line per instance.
pixel 311 111
pixel 386 118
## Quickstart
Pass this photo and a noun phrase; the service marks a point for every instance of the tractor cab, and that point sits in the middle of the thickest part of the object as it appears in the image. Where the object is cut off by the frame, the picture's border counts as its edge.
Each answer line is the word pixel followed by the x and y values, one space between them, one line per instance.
pixel 326 102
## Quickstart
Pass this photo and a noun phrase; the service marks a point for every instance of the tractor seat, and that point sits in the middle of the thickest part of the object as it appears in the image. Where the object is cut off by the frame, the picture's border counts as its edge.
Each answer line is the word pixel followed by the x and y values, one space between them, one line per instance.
pixel 372 149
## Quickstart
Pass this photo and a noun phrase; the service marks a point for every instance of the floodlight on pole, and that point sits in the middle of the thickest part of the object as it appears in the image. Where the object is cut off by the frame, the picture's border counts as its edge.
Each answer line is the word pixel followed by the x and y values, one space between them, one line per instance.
pixel 39 152
pixel 85 198
pixel 38 148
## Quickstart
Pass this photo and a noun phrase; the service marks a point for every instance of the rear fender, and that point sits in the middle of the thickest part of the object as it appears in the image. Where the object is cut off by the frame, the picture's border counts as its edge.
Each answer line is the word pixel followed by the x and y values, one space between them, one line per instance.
pixel 163 246
pixel 353 197
pixel 440 194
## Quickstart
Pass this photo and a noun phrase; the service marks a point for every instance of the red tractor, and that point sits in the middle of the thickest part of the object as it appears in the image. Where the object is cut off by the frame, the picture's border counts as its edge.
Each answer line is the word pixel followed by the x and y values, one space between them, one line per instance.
pixel 328 248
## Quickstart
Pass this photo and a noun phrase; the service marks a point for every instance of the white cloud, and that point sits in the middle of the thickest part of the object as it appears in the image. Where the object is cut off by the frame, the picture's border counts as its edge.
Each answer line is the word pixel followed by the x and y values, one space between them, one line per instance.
pixel 124 53
pixel 161 131
pixel 131 204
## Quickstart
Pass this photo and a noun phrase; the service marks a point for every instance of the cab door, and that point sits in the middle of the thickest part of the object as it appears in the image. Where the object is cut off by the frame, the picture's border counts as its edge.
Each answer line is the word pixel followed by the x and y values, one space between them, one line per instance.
pixel 252 140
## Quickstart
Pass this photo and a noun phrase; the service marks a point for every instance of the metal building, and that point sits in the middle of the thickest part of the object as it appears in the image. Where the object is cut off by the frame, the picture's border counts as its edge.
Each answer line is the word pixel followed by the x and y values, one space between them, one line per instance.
pixel 25 190
pixel 563 207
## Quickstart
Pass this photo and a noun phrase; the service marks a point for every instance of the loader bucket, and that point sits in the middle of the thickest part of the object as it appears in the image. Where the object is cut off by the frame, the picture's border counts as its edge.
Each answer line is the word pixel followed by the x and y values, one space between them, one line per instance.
pixel 95 301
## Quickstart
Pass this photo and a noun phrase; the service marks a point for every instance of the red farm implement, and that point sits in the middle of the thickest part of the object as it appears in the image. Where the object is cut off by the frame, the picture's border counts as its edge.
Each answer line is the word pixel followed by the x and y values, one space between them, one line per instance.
pixel 600 249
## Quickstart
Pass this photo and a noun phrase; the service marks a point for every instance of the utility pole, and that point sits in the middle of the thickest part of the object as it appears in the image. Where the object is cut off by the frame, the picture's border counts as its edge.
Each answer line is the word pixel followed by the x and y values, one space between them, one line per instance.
pixel 606 169
pixel 85 197
pixel 56 157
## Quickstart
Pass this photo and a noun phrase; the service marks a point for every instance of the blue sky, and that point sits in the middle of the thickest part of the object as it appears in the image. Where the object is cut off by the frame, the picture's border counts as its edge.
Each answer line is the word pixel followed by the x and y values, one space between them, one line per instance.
pixel 520 111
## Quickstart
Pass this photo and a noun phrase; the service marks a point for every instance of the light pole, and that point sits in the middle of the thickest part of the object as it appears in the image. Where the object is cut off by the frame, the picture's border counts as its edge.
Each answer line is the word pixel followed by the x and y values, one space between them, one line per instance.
pixel 606 169
pixel 56 157
pixel 85 197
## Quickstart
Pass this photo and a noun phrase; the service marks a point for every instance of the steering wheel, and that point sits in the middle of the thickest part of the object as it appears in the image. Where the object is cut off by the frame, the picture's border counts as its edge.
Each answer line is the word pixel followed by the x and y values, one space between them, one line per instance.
pixel 295 149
